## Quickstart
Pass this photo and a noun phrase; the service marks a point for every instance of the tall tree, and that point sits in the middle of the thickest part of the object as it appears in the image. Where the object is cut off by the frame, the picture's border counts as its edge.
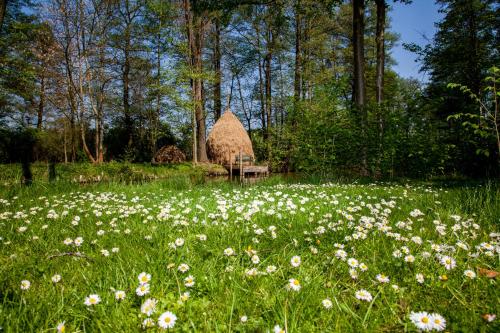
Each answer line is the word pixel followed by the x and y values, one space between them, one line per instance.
pixel 217 68
pixel 196 21
pixel 380 33
pixel 379 74
pixel 297 84
pixel 359 87
pixel 465 45
pixel 129 11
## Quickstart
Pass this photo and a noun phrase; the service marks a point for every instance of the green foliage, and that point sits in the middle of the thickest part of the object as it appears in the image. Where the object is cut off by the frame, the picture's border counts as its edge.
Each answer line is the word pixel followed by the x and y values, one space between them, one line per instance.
pixel 485 124
pixel 112 172
pixel 462 51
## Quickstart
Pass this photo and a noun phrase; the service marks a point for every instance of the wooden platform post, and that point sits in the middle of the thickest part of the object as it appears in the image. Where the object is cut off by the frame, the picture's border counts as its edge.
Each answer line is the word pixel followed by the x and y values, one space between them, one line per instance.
pixel 241 167
pixel 230 167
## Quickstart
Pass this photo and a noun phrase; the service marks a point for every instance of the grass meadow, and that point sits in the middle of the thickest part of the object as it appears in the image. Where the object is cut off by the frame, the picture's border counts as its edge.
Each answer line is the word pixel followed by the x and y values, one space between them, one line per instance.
pixel 272 257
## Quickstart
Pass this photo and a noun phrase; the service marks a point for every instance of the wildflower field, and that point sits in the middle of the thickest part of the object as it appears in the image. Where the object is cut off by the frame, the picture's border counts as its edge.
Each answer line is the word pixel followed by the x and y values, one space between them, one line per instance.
pixel 264 258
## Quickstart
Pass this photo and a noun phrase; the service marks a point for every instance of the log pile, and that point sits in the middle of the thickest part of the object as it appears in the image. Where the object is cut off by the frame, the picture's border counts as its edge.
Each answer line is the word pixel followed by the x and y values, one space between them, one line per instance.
pixel 169 154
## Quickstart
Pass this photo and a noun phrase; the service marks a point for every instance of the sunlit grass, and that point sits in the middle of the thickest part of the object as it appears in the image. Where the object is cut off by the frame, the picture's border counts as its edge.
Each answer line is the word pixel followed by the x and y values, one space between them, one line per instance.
pixel 140 224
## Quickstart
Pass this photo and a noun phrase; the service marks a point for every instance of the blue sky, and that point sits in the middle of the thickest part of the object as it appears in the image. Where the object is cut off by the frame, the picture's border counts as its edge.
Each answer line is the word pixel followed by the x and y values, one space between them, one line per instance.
pixel 412 22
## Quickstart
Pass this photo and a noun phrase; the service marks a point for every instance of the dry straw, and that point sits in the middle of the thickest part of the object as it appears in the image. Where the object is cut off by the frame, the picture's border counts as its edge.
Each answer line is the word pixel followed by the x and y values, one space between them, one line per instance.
pixel 227 138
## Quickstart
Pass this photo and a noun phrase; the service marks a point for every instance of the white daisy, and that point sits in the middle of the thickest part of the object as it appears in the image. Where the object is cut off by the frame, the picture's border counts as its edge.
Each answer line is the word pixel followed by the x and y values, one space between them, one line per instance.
pixel 56 278
pixel 278 329
pixel 61 327
pixel 120 295
pixel 183 268
pixel 92 300
pixel 352 262
pixel 438 322
pixel 295 261
pixel 189 281
pixel 185 296
pixel 149 306
pixel 327 303
pixel 382 278
pixel 409 258
pixel 470 274
pixel 422 320
pixel 179 242
pixel 144 278
pixel 294 284
pixel 167 320
pixel 142 290
pixel 255 259
pixel 448 262
pixel 271 269
pixel 148 323
pixel 25 285
pixel 364 295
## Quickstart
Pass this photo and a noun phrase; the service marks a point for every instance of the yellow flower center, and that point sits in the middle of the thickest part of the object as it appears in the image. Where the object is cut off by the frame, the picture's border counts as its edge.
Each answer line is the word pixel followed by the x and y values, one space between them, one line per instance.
pixel 296 282
pixel 167 320
pixel 425 320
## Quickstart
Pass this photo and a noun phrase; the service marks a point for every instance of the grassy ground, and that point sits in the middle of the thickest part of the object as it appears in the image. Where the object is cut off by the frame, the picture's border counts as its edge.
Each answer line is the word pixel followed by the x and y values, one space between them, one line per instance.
pixel 152 228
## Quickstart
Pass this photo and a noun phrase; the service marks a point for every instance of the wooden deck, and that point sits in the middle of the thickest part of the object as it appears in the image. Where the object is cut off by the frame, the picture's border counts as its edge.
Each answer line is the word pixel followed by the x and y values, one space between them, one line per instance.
pixel 256 170
pixel 247 170
pixel 243 165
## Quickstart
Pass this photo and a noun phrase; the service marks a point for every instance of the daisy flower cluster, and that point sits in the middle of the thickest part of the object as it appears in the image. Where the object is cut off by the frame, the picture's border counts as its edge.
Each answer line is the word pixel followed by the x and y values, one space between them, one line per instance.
pixel 253 258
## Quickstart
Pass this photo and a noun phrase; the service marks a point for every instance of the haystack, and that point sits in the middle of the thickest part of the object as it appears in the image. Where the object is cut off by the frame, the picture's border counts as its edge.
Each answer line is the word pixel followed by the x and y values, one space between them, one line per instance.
pixel 169 154
pixel 227 139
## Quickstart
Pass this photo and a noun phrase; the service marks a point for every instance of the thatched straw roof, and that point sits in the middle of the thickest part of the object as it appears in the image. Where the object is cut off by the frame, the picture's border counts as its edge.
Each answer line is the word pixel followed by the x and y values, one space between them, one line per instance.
pixel 227 138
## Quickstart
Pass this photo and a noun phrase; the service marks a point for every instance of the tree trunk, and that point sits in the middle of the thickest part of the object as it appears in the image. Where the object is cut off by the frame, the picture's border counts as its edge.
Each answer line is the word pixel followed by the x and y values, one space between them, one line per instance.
pixel 262 100
pixel 267 77
pixel 72 105
pixel 157 115
pixel 380 41
pixel 65 144
pixel 261 83
pixel 297 91
pixel 68 64
pixel 41 103
pixel 217 70
pixel 100 157
pixel 84 141
pixel 126 95
pixel 359 93
pixel 195 31
pixel 3 9
pixel 298 55
pixel 267 74
pixel 73 139
pixel 198 91
pixel 247 113
pixel 358 34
